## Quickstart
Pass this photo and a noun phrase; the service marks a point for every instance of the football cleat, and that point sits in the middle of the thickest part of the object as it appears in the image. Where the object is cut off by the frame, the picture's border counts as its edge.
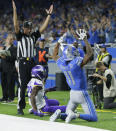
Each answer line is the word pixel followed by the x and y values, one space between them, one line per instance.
pixel 70 117
pixel 55 115
pixel 31 111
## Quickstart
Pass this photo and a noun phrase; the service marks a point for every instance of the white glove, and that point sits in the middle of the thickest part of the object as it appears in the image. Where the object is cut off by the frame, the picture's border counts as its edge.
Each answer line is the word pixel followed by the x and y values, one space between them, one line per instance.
pixel 81 34
pixel 62 45
pixel 60 40
pixel 62 37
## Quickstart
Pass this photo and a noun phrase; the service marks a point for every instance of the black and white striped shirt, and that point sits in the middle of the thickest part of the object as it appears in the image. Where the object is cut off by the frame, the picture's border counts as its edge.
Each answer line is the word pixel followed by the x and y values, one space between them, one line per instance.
pixel 25 46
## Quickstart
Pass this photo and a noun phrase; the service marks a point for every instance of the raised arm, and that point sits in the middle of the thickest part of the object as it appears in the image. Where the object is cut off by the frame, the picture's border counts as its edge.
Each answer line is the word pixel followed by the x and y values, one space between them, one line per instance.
pixel 45 24
pixel 87 23
pixel 55 52
pixel 15 20
pixel 82 35
pixel 89 53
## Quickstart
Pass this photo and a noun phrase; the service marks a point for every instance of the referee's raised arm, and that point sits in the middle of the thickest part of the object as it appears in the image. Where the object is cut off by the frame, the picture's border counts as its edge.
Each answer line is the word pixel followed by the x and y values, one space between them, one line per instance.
pixel 15 19
pixel 45 24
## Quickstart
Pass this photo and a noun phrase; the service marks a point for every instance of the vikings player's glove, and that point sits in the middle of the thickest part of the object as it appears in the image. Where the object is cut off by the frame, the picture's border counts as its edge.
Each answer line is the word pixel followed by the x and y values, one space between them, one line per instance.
pixel 36 113
pixel 81 33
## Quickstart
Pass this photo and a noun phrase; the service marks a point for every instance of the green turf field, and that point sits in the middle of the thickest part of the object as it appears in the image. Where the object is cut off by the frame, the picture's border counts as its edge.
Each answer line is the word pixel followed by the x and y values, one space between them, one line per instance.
pixel 106 118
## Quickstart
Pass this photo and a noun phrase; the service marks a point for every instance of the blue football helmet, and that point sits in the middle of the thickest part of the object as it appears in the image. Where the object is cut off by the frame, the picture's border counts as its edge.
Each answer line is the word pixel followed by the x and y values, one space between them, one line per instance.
pixel 70 52
pixel 38 72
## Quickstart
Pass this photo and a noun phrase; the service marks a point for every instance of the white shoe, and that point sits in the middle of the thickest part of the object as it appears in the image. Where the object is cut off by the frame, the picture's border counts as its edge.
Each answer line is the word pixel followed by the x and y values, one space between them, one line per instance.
pixel 70 117
pixel 55 115
pixel 31 111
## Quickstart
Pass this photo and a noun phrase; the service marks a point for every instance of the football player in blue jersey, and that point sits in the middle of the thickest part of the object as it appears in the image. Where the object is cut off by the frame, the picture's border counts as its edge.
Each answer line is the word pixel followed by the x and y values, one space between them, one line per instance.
pixel 71 63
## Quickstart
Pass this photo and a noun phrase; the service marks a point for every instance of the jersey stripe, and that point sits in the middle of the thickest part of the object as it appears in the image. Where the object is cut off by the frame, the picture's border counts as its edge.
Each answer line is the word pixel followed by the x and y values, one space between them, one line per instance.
pixel 25 47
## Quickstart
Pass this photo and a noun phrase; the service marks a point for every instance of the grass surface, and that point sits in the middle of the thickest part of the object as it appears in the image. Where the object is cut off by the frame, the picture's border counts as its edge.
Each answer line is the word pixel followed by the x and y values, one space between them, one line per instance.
pixel 106 118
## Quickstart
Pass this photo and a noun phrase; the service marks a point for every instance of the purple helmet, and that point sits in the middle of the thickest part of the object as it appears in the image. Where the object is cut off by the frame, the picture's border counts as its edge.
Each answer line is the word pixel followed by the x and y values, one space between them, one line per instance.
pixel 38 72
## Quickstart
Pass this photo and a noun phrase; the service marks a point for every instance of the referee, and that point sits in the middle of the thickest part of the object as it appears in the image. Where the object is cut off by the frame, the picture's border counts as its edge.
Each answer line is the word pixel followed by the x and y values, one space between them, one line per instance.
pixel 25 53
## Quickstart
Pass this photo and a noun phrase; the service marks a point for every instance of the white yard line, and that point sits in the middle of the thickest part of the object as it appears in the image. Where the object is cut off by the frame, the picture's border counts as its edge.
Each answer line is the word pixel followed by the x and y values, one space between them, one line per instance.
pixel 10 104
pixel 13 123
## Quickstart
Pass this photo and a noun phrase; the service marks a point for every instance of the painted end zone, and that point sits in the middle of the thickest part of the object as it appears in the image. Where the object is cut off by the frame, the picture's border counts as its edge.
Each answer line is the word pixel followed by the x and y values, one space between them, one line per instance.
pixel 13 123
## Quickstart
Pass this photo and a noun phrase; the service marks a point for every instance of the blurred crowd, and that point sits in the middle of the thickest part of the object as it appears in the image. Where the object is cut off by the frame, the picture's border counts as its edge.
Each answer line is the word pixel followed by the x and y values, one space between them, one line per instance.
pixel 96 16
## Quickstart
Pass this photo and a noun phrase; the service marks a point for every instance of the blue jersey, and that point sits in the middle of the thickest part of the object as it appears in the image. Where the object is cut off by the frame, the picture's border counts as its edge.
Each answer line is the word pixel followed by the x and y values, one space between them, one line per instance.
pixel 74 74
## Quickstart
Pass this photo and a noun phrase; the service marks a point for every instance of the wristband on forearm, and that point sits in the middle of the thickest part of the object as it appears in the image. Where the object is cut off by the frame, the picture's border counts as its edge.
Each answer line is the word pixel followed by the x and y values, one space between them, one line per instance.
pixel 49 14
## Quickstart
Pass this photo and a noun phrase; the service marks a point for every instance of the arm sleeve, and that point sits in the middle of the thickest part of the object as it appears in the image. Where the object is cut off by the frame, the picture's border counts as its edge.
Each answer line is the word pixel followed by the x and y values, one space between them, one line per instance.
pixel 19 35
pixel 60 62
pixel 108 82
pixel 36 34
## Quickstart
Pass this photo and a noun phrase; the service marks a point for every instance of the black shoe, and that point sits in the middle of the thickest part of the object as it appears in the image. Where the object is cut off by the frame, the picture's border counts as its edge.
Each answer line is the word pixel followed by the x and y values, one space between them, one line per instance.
pixel 20 112
pixel 3 100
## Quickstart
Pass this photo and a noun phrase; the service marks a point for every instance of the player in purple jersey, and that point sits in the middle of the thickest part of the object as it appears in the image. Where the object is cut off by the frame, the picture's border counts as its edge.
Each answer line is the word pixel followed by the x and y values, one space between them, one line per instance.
pixel 36 93
pixel 71 63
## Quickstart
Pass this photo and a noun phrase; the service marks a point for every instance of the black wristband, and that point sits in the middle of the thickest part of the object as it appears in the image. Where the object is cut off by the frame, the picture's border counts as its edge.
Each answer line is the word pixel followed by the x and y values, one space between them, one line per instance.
pixel 49 14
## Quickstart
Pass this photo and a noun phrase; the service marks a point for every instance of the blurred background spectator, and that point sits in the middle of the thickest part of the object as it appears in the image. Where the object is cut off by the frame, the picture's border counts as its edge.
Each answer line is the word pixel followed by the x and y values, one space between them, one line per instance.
pixel 8 70
pixel 96 16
